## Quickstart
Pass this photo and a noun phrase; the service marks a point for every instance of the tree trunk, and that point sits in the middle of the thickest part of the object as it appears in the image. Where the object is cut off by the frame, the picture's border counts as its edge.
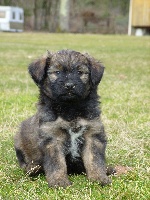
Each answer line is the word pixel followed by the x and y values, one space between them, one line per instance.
pixel 64 15
pixel 37 14
pixel 47 4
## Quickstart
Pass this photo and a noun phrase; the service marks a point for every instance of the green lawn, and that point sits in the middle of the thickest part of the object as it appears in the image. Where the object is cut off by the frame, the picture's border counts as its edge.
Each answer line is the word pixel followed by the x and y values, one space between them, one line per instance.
pixel 125 94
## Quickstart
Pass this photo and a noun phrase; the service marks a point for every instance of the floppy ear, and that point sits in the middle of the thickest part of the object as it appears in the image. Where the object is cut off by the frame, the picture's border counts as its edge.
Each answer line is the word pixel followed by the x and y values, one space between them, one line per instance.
pixel 37 69
pixel 96 69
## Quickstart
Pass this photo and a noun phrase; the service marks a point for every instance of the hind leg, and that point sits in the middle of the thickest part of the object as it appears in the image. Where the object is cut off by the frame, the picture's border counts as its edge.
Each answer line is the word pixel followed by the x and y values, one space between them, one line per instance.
pixel 21 158
pixel 31 168
pixel 27 152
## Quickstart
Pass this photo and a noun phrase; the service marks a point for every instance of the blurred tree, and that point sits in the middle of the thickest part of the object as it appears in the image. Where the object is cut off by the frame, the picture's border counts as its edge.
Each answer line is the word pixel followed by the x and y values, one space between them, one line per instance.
pixel 37 6
pixel 64 15
pixel 47 7
pixel 74 15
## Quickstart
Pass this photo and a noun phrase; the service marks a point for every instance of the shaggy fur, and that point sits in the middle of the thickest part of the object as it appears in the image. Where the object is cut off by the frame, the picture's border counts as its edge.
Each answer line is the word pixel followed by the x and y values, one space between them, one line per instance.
pixel 66 134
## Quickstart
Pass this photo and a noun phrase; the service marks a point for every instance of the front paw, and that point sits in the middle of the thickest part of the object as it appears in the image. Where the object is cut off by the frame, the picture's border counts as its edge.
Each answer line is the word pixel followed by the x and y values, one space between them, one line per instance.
pixel 61 182
pixel 103 179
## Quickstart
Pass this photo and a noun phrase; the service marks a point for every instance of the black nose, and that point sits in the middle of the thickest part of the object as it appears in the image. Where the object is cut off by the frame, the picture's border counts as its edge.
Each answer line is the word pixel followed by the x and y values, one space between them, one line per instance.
pixel 69 85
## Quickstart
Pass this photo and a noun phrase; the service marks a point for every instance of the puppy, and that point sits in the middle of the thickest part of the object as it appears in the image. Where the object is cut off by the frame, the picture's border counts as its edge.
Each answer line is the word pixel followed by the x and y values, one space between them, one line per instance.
pixel 66 134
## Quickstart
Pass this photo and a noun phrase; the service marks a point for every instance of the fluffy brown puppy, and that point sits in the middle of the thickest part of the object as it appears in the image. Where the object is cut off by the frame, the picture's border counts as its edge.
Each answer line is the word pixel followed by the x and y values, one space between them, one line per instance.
pixel 66 134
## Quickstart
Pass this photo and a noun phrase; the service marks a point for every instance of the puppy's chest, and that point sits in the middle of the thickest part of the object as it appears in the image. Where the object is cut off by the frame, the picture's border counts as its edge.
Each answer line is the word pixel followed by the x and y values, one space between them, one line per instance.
pixel 75 140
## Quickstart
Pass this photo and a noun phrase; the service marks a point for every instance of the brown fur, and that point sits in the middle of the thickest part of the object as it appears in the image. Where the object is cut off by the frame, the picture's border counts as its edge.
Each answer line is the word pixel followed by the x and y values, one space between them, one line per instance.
pixel 66 134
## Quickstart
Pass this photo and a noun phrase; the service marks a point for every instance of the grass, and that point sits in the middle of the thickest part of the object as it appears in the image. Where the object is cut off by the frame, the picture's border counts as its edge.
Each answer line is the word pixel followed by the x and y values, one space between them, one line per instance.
pixel 125 94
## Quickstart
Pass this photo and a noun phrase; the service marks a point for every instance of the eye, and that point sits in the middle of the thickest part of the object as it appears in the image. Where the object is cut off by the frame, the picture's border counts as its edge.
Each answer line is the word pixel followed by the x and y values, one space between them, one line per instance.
pixel 57 72
pixel 80 72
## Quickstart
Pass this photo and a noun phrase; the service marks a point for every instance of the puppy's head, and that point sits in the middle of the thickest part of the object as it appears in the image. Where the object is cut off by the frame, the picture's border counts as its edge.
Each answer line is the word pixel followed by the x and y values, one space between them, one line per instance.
pixel 66 75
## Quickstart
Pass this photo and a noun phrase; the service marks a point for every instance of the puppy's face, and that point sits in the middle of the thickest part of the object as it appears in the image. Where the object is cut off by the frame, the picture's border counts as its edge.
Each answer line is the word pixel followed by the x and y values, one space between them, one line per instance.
pixel 66 75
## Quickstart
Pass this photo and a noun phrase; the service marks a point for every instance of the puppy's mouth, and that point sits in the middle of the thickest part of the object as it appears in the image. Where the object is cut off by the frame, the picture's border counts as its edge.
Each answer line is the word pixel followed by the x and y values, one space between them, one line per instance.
pixel 69 95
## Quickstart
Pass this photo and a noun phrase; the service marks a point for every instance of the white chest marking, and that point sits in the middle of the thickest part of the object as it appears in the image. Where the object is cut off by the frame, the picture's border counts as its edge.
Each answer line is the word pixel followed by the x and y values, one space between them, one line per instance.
pixel 75 141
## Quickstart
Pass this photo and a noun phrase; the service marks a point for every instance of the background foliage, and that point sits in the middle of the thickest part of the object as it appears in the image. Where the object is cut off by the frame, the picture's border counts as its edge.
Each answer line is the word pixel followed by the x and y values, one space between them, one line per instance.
pixel 102 16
